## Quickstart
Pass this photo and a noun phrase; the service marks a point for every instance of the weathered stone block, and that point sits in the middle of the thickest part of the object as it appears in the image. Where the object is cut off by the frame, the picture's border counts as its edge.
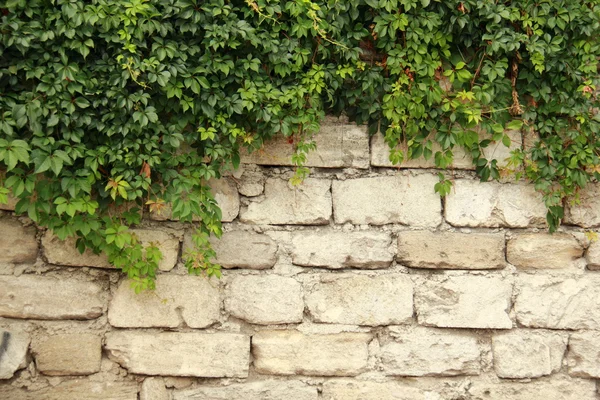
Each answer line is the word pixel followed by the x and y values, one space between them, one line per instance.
pixel 464 302
pixel 593 255
pixel 265 299
pixel 69 354
pixel 261 390
pixel 336 249
pixel 346 389
pixel 361 300
pixel 40 297
pixel 180 354
pixel 408 200
pixel 544 250
pixel 13 355
pixel 154 389
pixel 306 204
pixel 10 205
pixel 587 213
pixel 76 389
pixel 429 352
pixel 451 250
pixel 583 358
pixel 293 353
pixel 168 245
pixel 177 299
pixel 65 252
pixel 492 204
pixel 18 244
pixel 555 387
pixel 528 354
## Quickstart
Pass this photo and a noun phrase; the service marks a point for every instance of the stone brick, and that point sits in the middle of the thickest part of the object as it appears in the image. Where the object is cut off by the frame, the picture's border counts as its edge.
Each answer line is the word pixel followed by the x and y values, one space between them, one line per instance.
pixel 528 354
pixel 593 256
pixel 177 299
pixel 544 250
pixel 69 354
pixel 168 245
pixel 214 355
pixel 261 390
pixel 428 352
pixel 338 146
pixel 59 252
pixel 583 358
pixel 336 249
pixel 464 302
pixel 265 299
pixel 76 389
pixel 154 389
pixel 10 204
pixel 492 204
pixel 551 388
pixel 558 303
pixel 587 213
pixel 13 357
pixel 451 250
pixel 408 200
pixel 347 389
pixel 40 297
pixel 361 300
pixel 306 204
pixel 293 353
pixel 18 244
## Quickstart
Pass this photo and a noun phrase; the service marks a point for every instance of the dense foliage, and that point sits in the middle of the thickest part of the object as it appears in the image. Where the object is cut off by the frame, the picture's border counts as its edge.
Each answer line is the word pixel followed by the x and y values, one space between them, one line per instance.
pixel 109 108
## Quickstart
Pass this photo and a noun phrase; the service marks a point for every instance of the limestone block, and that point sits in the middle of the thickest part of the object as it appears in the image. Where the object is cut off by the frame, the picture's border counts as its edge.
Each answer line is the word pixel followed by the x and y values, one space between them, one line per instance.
pixel 465 302
pixel 293 353
pixel 40 297
pixel 18 244
pixel 451 250
pixel 361 300
pixel 154 389
pixel 13 355
pixel 593 256
pixel 76 389
pixel 69 354
pixel 554 387
pixel 429 352
pixel 214 355
pixel 260 390
pixel 587 213
pixel 10 205
pixel 544 250
pixel 65 252
pixel 492 204
pixel 265 299
pixel 335 249
pixel 583 358
pixel 408 200
pixel 306 204
pixel 168 245
pixel 558 303
pixel 251 183
pixel 346 389
pixel 528 354
pixel 192 300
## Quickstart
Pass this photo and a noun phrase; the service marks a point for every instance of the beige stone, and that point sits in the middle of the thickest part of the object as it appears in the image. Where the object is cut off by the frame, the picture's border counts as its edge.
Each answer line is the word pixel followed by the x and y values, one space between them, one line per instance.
pixel 168 245
pixel 180 354
pixel 265 300
pixel 492 204
pixel 361 300
pixel 583 358
pixel 75 389
pixel 336 249
pixel 451 250
pixel 558 303
pixel 251 184
pixel 65 252
pixel 306 204
pixel 528 354
pixel 293 353
pixel 153 388
pixel 407 200
pixel 13 352
pixel 544 250
pixel 593 256
pixel 69 354
pixel 41 297
pixel 464 302
pixel 10 204
pixel 260 390
pixel 18 244
pixel 177 299
pixel 587 213
pixel 347 389
pixel 550 388
pixel 429 352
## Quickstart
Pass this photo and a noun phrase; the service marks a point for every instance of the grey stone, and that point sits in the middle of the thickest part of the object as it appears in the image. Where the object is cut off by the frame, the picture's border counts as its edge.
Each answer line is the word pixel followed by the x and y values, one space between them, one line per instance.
pixel 13 355
pixel 69 354
pixel 587 213
pixel 18 244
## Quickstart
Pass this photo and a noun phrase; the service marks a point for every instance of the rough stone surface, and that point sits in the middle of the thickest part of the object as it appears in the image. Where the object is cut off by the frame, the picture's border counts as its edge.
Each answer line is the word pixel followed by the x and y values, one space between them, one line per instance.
pixel 76 389
pixel 558 303
pixel 408 200
pixel 168 245
pixel 69 354
pixel 180 354
pixel 265 300
pixel 361 300
pixel 593 256
pixel 306 204
pixel 555 388
pixel 293 353
pixel 18 244
pixel 335 249
pixel 544 250
pixel 177 299
pixel 10 205
pixel 347 389
pixel 583 358
pixel 451 250
pixel 587 212
pixel 240 249
pixel 429 352
pixel 528 354
pixel 40 297
pixel 13 356
pixel 338 146
pixel 65 252
pixel 465 302
pixel 263 390
pixel 491 204
pixel 154 389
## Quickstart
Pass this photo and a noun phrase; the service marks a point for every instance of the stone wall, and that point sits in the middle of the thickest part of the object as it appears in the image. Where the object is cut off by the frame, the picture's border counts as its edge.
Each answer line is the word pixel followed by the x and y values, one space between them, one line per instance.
pixel 359 284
